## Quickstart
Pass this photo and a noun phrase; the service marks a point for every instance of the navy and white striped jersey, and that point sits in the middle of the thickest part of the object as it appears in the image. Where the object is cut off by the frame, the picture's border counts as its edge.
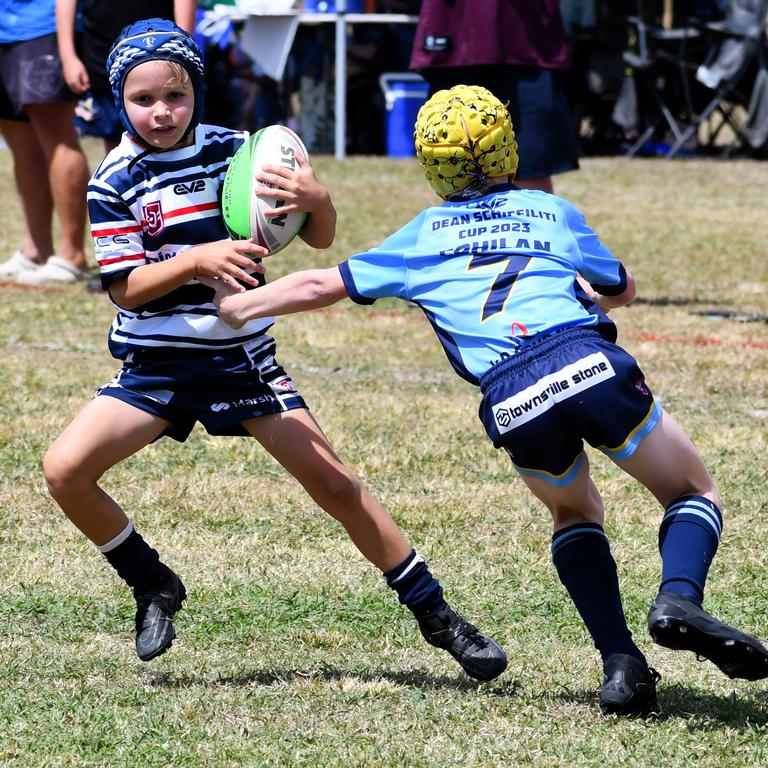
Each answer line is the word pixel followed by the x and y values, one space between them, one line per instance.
pixel 152 209
pixel 492 273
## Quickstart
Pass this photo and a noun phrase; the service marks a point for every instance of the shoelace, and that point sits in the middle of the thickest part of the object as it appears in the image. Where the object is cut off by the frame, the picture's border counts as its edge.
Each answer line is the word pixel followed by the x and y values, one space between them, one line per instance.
pixel 144 602
pixel 472 634
pixel 142 606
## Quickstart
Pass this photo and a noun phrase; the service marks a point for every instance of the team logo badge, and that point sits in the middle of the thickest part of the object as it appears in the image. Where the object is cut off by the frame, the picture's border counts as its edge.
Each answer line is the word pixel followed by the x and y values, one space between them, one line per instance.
pixel 149 41
pixel 503 417
pixel 641 387
pixel 153 217
pixel 286 385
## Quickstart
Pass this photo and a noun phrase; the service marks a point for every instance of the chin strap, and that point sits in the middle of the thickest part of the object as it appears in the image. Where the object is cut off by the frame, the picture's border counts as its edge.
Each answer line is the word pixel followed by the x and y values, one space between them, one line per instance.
pixel 139 157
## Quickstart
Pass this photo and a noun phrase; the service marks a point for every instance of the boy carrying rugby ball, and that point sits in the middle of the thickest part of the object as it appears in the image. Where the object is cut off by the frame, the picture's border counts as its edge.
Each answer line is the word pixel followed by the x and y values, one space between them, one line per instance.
pixel 158 230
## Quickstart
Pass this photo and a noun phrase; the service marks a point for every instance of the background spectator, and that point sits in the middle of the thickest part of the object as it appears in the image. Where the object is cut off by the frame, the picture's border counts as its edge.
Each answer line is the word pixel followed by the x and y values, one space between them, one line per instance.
pixel 84 48
pixel 518 50
pixel 36 109
pixel 372 50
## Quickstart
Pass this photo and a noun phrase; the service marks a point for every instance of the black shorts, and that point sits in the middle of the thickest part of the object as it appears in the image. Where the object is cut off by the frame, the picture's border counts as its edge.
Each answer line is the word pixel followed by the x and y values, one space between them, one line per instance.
pixel 220 390
pixel 31 73
pixel 569 387
pixel 538 106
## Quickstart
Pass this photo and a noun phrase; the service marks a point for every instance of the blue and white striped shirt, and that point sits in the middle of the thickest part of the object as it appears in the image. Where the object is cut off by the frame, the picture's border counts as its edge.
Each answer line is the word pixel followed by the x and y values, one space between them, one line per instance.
pixel 152 210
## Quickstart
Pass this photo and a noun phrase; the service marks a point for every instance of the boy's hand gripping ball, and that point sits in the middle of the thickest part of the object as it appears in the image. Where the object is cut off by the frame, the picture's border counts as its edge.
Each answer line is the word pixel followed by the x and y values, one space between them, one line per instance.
pixel 243 207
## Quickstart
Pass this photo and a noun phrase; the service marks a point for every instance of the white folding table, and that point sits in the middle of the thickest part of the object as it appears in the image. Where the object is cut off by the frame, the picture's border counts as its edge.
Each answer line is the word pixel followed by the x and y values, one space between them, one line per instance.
pixel 267 38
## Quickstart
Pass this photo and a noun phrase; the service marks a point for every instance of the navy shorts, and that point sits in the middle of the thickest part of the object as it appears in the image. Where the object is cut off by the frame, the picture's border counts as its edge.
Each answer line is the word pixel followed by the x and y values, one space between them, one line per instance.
pixel 220 390
pixel 97 115
pixel 538 105
pixel 31 73
pixel 543 402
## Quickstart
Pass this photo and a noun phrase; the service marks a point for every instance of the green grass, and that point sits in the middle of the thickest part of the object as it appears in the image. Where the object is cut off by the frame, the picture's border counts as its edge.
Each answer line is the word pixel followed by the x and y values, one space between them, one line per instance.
pixel 291 651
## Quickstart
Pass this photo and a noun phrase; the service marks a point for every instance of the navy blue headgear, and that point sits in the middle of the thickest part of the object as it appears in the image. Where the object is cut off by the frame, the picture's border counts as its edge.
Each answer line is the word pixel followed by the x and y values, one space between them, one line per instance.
pixel 150 40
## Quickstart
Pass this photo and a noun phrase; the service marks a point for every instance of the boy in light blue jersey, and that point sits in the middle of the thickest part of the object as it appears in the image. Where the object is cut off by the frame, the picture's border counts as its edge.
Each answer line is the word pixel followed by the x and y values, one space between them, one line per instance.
pixel 156 218
pixel 517 288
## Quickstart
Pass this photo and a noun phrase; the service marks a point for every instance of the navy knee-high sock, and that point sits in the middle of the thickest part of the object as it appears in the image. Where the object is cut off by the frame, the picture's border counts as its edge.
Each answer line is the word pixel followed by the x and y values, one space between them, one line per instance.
pixel 688 539
pixel 136 563
pixel 582 556
pixel 416 587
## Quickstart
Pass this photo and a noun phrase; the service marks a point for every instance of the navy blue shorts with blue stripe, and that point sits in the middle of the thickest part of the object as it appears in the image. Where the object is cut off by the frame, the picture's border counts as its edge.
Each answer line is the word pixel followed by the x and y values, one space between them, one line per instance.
pixel 220 389
pixel 541 404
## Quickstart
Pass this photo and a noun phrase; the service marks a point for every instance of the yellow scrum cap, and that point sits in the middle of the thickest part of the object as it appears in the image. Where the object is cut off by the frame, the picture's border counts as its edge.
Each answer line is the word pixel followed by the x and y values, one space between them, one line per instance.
pixel 463 137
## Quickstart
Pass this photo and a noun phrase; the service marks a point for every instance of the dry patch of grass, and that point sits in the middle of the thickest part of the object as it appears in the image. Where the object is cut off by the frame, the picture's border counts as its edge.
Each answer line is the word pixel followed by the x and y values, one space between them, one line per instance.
pixel 291 651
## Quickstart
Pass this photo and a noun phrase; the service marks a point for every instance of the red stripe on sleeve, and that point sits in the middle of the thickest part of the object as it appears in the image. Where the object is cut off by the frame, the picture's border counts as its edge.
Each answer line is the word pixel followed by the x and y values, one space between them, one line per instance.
pixel 119 259
pixel 96 232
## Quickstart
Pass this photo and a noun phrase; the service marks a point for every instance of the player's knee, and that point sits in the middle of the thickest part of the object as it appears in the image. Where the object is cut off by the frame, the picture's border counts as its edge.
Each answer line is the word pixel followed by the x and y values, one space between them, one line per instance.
pixel 341 492
pixel 712 493
pixel 62 475
pixel 700 485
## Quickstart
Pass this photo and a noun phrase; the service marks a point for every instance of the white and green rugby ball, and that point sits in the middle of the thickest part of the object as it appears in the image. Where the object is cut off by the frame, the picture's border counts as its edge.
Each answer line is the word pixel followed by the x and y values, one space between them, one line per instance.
pixel 243 208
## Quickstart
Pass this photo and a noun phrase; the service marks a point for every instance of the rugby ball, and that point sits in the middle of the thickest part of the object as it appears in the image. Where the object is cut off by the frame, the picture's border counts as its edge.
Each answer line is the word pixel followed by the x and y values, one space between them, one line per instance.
pixel 243 207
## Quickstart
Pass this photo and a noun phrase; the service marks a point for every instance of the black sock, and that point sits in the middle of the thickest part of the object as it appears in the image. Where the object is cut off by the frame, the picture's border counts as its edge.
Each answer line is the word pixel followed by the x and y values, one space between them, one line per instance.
pixel 688 539
pixel 416 587
pixel 582 557
pixel 136 563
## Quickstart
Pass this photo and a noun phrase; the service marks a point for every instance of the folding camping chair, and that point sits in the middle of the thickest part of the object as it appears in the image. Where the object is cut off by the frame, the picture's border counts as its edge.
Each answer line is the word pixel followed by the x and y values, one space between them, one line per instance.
pixel 662 62
pixel 734 72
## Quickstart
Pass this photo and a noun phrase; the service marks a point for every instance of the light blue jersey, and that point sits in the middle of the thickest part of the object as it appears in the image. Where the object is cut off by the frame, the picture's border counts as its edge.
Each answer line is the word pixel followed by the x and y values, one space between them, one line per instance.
pixel 492 273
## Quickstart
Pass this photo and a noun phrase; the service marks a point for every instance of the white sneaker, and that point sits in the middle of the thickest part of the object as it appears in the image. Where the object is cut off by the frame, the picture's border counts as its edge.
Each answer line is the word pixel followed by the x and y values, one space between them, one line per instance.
pixel 55 270
pixel 18 263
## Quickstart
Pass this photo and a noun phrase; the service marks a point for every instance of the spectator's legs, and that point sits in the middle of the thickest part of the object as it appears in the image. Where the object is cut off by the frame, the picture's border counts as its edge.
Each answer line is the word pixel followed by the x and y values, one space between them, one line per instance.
pixel 68 174
pixel 30 169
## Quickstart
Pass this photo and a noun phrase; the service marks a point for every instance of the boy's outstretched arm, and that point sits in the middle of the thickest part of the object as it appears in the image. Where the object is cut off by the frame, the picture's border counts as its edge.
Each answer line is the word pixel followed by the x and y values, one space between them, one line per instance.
pixel 309 289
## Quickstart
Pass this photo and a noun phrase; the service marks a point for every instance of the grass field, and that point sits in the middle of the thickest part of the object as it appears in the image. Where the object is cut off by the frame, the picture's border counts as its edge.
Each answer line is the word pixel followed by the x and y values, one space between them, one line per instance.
pixel 291 650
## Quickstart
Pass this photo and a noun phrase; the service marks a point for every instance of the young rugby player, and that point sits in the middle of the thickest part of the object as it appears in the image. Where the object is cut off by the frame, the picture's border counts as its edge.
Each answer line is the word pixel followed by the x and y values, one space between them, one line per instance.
pixel 517 286
pixel 157 225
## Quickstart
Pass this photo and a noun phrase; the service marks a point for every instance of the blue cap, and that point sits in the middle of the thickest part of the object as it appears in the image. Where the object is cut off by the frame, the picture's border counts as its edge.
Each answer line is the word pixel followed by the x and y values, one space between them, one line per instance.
pixel 155 40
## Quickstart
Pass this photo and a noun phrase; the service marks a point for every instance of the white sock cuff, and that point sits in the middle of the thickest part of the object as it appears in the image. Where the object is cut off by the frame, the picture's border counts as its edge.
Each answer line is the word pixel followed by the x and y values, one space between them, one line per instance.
pixel 415 560
pixel 118 540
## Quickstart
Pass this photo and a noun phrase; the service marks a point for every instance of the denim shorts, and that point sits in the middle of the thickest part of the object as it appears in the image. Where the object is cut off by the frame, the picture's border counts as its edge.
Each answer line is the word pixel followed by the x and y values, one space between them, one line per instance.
pixel 219 390
pixel 572 386
pixel 31 73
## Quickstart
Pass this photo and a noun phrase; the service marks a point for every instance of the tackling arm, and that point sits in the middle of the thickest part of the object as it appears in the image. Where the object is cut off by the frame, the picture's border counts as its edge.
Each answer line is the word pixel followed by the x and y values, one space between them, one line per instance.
pixel 298 292
pixel 226 260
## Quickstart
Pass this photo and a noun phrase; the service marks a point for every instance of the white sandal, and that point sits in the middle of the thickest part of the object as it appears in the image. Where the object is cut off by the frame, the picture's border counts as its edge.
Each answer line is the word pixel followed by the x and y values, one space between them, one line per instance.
pixel 18 263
